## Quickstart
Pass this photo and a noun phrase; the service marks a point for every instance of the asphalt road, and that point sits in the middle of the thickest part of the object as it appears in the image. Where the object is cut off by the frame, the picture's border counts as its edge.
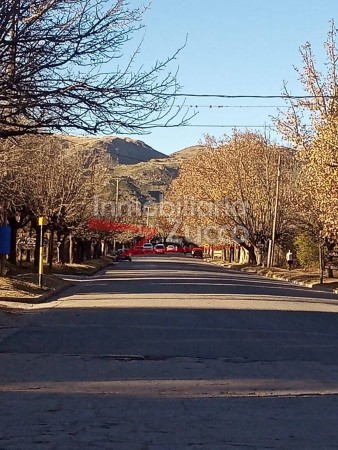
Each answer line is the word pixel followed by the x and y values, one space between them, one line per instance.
pixel 172 353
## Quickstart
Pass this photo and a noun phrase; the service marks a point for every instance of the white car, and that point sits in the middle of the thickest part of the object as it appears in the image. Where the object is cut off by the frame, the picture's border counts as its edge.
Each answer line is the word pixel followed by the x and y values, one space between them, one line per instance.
pixel 171 248
pixel 148 247
pixel 159 248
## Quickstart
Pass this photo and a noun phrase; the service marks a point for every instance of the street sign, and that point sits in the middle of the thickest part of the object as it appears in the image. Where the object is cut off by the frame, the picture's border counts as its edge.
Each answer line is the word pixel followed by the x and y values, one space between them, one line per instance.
pixel 42 221
pixel 5 239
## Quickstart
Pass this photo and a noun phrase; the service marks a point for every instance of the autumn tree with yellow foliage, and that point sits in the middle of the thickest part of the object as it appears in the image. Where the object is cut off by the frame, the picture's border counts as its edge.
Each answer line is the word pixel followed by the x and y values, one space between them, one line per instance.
pixel 228 191
pixel 317 144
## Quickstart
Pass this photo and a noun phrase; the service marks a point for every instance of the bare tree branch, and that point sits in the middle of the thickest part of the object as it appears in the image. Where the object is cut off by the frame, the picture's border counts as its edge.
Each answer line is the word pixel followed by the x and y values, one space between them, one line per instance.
pixel 60 70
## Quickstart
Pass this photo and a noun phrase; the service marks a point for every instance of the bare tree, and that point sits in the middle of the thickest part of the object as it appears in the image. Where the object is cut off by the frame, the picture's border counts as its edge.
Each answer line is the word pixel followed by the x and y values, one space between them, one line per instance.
pixel 59 70
pixel 48 180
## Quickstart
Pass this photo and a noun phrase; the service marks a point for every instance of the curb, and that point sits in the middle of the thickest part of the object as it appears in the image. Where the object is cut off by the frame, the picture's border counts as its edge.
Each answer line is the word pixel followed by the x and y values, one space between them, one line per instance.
pixel 297 282
pixel 253 270
pixel 52 291
pixel 36 300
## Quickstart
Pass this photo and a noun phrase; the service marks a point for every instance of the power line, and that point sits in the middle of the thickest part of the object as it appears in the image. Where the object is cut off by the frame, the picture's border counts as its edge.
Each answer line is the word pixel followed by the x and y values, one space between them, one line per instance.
pixel 231 106
pixel 216 126
pixel 286 97
pixel 228 126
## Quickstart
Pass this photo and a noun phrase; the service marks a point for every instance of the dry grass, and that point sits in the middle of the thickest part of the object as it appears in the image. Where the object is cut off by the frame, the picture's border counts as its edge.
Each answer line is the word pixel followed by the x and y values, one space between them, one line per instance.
pixel 26 287
pixel 14 288
pixel 22 283
pixel 87 268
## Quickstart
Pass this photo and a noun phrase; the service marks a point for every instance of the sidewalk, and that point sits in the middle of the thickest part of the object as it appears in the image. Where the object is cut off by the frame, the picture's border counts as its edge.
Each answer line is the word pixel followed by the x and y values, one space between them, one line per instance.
pixel 297 276
pixel 22 286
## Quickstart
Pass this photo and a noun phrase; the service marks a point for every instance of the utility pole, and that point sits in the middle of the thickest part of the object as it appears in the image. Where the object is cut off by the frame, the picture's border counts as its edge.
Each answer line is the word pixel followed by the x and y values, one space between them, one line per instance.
pixel 274 224
pixel 117 193
pixel 321 262
pixel 148 215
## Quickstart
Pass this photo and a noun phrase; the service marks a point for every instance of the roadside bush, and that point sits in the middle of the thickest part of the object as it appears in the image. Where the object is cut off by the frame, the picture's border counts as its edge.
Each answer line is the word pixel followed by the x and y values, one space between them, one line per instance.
pixel 307 250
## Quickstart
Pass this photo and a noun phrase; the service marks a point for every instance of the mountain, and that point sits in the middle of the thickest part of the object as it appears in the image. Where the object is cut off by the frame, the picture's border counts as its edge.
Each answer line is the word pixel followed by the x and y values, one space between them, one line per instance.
pixel 188 152
pixel 130 151
pixel 149 180
pixel 122 150
pixel 144 173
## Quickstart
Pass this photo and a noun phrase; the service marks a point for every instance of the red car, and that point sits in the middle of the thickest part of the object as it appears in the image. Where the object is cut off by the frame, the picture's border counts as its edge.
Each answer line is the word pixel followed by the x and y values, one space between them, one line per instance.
pixel 123 255
pixel 138 250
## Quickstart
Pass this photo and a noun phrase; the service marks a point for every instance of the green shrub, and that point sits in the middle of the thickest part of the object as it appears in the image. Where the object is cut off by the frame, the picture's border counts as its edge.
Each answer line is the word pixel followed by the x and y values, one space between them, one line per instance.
pixel 307 250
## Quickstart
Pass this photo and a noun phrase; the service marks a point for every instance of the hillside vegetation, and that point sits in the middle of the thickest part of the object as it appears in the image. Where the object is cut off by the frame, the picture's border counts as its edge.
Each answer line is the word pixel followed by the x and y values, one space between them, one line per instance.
pixel 144 172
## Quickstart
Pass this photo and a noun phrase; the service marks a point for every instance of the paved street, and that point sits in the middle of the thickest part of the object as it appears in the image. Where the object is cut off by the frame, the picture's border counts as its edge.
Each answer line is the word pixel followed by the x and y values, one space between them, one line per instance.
pixel 172 353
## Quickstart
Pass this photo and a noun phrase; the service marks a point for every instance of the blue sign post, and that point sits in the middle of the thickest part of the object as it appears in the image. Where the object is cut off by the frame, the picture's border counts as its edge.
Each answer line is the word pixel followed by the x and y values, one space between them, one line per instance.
pixel 5 239
pixel 5 246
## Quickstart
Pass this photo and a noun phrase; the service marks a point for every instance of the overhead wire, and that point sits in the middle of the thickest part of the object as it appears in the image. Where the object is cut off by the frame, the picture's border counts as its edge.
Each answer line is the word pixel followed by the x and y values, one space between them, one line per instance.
pixel 227 96
pixel 231 106
pixel 281 96
pixel 187 125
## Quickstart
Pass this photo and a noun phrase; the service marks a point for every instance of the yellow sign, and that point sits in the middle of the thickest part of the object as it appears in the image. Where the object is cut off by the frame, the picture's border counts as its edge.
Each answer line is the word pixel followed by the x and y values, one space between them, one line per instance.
pixel 42 221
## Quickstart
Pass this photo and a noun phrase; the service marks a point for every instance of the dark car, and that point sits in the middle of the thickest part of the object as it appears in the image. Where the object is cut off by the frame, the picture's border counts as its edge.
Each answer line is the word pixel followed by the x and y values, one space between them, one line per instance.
pixel 197 252
pixel 123 255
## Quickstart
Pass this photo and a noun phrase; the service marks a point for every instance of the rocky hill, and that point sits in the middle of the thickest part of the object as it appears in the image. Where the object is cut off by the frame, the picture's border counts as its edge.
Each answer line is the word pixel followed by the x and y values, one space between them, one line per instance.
pixel 144 173
pixel 187 152
pixel 122 150
pixel 150 180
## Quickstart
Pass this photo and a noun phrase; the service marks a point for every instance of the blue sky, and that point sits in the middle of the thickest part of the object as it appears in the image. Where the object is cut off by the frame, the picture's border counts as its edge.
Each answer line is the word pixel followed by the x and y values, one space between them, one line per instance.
pixel 234 47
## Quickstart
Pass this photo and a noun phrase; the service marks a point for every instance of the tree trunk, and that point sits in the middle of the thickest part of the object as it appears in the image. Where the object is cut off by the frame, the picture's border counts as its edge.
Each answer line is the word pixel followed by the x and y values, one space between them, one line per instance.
pixel 329 272
pixel 252 255
pixel 86 250
pixel 37 246
pixel 96 250
pixel 232 254
pixel 50 251
pixel 71 248
pixel 81 250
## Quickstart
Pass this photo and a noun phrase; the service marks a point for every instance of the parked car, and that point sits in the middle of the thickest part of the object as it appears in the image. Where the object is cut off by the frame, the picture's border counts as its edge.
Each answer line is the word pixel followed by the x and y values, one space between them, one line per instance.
pixel 171 248
pixel 197 251
pixel 148 247
pixel 138 250
pixel 123 255
pixel 159 248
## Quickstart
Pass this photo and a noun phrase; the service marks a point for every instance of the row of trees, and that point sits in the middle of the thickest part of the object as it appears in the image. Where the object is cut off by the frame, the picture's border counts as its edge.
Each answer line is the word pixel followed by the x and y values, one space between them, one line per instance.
pixel 231 191
pixel 69 182
pixel 40 177
pixel 310 124
pixel 63 69
pixel 59 72
pixel 240 172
